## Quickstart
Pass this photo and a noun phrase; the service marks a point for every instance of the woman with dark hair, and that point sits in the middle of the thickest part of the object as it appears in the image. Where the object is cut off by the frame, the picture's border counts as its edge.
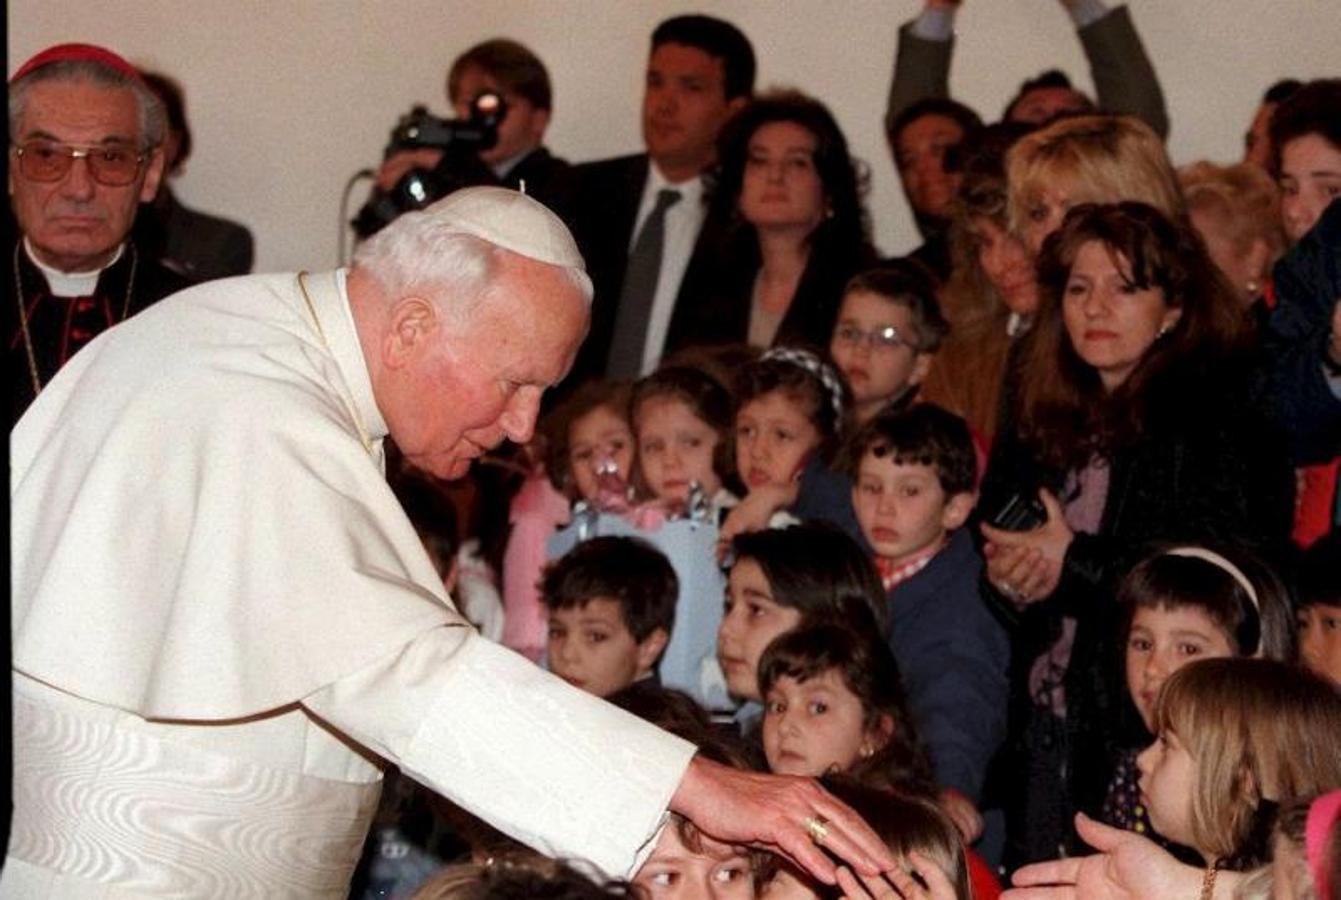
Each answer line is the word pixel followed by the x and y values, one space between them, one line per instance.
pixel 1306 153
pixel 1131 422
pixel 800 231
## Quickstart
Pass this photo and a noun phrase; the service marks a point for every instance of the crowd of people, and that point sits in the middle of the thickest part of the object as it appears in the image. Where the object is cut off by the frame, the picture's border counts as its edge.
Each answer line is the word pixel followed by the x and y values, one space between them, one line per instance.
pixel 1024 543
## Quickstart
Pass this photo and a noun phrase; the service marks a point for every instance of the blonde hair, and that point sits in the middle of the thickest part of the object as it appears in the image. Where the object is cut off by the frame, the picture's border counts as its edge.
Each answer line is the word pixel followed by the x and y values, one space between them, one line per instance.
pixel 1242 199
pixel 1101 159
pixel 1260 732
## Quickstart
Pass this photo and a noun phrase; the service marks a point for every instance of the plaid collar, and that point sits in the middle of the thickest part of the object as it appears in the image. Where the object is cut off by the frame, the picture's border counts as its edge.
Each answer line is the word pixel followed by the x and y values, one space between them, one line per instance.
pixel 893 574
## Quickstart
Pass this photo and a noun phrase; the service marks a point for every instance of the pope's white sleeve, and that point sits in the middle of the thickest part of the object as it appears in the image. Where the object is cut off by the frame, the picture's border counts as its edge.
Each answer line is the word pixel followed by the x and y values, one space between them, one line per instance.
pixel 556 768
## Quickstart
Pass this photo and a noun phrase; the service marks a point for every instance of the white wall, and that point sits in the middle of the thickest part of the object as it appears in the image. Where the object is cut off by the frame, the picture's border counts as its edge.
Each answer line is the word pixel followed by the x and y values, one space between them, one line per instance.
pixel 288 98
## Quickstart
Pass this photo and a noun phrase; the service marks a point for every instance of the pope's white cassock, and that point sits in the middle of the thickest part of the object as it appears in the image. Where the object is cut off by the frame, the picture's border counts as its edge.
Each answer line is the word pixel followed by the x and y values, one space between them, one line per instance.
pixel 222 618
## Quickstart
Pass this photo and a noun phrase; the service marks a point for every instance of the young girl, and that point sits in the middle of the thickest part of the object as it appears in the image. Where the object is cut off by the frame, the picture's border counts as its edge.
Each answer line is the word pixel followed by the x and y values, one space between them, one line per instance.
pixel 780 576
pixel 789 409
pixel 1236 737
pixel 889 328
pixel 681 423
pixel 835 704
pixel 588 445
pixel 1183 604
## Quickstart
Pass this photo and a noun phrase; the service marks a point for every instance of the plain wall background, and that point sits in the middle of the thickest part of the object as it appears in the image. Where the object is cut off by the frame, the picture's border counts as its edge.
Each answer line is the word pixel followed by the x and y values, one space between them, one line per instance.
pixel 288 98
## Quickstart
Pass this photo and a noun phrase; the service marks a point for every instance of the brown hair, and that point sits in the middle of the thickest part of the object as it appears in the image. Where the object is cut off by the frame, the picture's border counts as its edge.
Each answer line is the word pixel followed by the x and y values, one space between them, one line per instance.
pixel 511 64
pixel 1260 732
pixel 1062 410
pixel 558 425
pixel 1101 159
pixel 1241 198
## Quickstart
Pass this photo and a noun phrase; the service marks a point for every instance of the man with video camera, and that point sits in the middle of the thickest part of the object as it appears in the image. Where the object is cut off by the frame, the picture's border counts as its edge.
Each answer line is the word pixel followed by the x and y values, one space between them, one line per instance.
pixel 489 143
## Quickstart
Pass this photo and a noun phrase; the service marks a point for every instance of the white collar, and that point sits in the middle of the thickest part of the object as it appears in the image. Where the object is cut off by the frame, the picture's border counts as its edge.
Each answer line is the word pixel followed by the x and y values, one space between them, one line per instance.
pixel 330 302
pixel 690 191
pixel 70 284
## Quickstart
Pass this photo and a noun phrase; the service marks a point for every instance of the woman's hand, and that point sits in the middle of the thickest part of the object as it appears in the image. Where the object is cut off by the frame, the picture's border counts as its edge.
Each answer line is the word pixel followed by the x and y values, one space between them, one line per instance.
pixel 898 883
pixel 1026 566
pixel 753 512
pixel 1127 867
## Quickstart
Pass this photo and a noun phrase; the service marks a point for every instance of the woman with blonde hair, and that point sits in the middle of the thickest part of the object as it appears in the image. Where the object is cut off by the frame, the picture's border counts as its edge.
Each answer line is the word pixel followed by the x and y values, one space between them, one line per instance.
pixel 1087 159
pixel 1236 210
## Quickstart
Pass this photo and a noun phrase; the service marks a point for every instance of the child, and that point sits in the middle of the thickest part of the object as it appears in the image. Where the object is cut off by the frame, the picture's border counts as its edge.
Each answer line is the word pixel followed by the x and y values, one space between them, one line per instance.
pixel 835 704
pixel 1306 851
pixel 1236 737
pixel 778 577
pixel 913 490
pixel 789 409
pixel 918 833
pixel 1319 613
pixel 611 603
pixel 682 422
pixel 1181 605
pixel 586 435
pixel 888 331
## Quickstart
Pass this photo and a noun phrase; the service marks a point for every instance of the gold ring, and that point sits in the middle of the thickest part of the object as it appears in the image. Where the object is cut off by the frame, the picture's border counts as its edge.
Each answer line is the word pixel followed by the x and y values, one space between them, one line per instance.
pixel 816 827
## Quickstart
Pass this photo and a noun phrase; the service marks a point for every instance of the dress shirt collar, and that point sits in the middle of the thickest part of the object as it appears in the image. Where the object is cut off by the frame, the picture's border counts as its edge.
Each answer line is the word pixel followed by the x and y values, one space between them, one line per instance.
pixel 330 300
pixel 70 284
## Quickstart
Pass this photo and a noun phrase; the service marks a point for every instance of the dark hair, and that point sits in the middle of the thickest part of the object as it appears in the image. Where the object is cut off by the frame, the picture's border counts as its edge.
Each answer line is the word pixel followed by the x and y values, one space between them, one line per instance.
pixel 511 64
pixel 706 398
pixel 961 115
pixel 800 384
pixel 592 395
pixel 1319 574
pixel 1314 108
pixel 867 668
pixel 626 569
pixel 1052 79
pixel 1167 580
pixel 429 510
pixel 817 569
pixel 904 822
pixel 169 92
pixel 982 160
pixel 921 435
pixel 846 225
pixel 1063 412
pixel 1282 90
pixel 905 282
pixel 522 876
pixel 720 40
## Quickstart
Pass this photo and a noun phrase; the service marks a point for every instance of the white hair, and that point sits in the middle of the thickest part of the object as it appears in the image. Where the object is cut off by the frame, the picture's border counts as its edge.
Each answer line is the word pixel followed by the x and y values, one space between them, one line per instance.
pixel 420 253
pixel 152 119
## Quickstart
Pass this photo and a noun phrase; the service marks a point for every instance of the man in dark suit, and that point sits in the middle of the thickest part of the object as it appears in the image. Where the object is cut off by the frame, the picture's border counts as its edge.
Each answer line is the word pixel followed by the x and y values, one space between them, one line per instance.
pixel 700 71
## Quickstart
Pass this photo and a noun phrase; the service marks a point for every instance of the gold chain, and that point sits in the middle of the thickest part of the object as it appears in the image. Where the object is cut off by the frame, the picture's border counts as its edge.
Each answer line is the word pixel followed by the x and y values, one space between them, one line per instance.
pixel 23 312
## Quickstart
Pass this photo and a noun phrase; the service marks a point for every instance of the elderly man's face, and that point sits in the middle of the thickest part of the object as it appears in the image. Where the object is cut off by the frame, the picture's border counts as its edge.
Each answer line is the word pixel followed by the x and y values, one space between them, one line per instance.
pixel 466 390
pixel 75 224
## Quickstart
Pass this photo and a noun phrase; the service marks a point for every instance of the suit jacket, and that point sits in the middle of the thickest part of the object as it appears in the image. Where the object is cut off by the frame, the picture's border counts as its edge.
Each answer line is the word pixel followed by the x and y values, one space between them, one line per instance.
pixel 546 177
pixel 192 243
pixel 602 210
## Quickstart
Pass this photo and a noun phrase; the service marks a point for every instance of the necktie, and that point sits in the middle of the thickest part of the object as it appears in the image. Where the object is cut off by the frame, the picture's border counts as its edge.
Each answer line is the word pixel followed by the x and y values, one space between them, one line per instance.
pixel 640 286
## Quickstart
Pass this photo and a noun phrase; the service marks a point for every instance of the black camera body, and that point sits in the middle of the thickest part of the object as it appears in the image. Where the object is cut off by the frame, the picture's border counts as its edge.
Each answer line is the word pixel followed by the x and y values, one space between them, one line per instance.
pixel 1022 512
pixel 460 141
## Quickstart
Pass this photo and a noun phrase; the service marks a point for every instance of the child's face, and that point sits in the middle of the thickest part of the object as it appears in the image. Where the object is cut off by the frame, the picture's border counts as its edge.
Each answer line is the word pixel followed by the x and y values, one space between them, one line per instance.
pixel 902 508
pixel 1168 780
pixel 675 449
pixel 592 648
pixel 1320 639
pixel 1161 642
pixel 751 622
pixel 881 372
pixel 774 438
pixel 594 437
pixel 715 872
pixel 815 727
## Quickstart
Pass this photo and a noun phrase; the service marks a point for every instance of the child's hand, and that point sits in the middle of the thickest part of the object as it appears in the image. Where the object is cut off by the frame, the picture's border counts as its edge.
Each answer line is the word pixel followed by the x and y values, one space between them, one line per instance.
pixel 1026 566
pixel 753 512
pixel 899 884
pixel 961 811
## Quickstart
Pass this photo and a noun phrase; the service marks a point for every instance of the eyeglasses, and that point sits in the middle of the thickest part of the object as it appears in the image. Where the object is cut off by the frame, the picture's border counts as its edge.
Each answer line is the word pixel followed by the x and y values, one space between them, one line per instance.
pixel 113 165
pixel 879 339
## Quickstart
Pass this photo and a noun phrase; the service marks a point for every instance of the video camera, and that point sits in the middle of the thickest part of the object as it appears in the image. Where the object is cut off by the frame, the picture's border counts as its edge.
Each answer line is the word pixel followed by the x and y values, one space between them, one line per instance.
pixel 460 141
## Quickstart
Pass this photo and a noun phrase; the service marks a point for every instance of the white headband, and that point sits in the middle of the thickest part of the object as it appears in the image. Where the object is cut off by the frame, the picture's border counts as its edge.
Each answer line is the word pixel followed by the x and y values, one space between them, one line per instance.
pixel 1223 564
